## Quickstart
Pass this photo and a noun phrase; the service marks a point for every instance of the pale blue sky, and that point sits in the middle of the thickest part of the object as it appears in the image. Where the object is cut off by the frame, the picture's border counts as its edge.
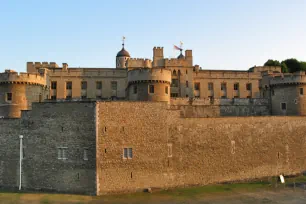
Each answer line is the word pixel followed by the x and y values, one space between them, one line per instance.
pixel 223 34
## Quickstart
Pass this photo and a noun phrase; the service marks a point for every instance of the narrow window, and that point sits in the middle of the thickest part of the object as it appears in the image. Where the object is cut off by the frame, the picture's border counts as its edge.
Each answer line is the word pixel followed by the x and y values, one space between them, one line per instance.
pixel 53 97
pixel 169 150
pixel 84 85
pixel 187 84
pixel 272 92
pixel 85 155
pixel 151 88
pixel 114 85
pixel 236 86
pixel 197 86
pixel 186 72
pixel 53 84
pixel 9 96
pixel 99 85
pixel 127 153
pixel 61 153
pixel 174 95
pixel 210 86
pixel 135 89
pixel 68 97
pixel 174 83
pixel 301 91
pixel 249 86
pixel 166 90
pixel 223 97
pixel 283 106
pixel 84 97
pixel 223 86
pixel 69 85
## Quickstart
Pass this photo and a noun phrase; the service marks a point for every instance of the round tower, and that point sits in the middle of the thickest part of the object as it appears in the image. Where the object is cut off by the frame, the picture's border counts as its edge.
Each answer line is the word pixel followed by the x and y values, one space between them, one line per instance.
pixel 122 57
pixel 149 84
pixel 18 91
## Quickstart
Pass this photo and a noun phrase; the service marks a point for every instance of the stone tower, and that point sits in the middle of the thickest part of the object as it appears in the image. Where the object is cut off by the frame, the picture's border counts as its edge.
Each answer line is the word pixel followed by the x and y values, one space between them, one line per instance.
pixel 18 91
pixel 122 57
pixel 149 84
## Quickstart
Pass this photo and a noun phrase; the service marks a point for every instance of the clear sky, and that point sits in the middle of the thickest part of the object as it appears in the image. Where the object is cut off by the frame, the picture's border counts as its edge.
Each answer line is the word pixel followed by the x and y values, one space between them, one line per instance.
pixel 223 34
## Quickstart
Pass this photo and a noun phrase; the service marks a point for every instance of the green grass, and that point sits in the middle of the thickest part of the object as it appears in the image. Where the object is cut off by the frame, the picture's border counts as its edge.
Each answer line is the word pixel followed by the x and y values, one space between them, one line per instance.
pixel 140 197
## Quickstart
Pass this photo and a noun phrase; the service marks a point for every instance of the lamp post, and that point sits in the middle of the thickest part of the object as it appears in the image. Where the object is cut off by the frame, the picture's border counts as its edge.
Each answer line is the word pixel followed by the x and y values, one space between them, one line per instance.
pixel 20 160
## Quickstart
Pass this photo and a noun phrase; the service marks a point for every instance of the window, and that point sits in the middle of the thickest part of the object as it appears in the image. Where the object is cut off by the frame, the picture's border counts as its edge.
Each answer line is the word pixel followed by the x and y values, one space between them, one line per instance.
pixel 151 88
pixel 187 84
pixel 272 92
pixel 236 97
pixel 249 97
pixel 301 91
pixel 127 153
pixel 197 86
pixel 68 97
pixel 174 95
pixel 210 86
pixel 186 72
pixel 114 85
pixel 84 97
pixel 249 86
pixel 135 89
pixel 68 85
pixel 223 97
pixel 61 153
pixel 166 90
pixel 85 155
pixel 99 85
pixel 53 84
pixel 84 85
pixel 236 86
pixel 174 83
pixel 283 106
pixel 9 96
pixel 169 150
pixel 53 97
pixel 223 86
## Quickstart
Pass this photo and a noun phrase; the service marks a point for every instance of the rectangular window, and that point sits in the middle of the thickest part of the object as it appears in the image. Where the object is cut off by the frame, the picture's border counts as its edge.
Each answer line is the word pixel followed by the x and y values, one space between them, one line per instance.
pixel 85 155
pixel 301 91
pixel 249 86
pixel 223 97
pixel 283 106
pixel 127 153
pixel 135 89
pixel 249 97
pixel 99 85
pixel 166 90
pixel 236 96
pixel 61 153
pixel 53 84
pixel 68 97
pixel 151 88
pixel 69 85
pixel 187 84
pixel 236 86
pixel 174 95
pixel 210 86
pixel 53 97
pixel 84 97
pixel 197 86
pixel 84 85
pixel 114 85
pixel 174 83
pixel 272 92
pixel 9 96
pixel 223 86
pixel 169 150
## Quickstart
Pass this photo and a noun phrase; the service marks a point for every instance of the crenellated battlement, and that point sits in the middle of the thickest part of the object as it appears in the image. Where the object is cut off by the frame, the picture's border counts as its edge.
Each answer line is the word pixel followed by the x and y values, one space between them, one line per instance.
pixel 154 74
pixel 139 63
pixel 294 78
pixel 22 78
pixel 170 62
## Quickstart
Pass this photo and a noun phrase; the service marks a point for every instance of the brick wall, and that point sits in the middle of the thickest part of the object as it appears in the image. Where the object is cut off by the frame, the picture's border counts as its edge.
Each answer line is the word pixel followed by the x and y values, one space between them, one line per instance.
pixel 204 150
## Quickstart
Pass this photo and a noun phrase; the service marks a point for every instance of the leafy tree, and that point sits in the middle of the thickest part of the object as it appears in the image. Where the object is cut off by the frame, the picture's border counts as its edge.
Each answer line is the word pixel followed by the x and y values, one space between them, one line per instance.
pixel 303 66
pixel 284 67
pixel 271 62
pixel 292 64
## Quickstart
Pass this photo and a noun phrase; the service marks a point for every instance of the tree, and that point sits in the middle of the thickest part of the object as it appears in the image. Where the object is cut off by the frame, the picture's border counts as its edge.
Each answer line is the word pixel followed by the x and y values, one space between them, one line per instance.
pixel 271 62
pixel 293 65
pixel 284 67
pixel 303 66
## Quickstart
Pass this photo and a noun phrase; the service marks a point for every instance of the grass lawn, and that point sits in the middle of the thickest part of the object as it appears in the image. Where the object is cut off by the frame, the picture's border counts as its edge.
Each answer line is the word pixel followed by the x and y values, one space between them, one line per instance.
pixel 163 196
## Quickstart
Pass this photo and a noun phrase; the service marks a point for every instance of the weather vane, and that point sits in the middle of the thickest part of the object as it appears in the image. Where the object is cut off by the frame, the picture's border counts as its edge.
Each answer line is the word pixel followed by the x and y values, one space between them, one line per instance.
pixel 123 39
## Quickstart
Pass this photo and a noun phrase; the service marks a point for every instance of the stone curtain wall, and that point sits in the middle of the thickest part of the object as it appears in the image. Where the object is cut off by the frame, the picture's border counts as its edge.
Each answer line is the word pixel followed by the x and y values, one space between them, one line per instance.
pixel 170 151
pixel 9 153
pixel 199 108
pixel 45 128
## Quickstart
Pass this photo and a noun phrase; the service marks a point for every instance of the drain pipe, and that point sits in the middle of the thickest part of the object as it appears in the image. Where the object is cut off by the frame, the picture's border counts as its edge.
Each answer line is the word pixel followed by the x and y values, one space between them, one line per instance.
pixel 20 160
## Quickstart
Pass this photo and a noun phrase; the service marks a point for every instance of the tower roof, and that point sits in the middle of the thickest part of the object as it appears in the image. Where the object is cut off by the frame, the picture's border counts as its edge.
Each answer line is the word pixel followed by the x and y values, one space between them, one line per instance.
pixel 123 53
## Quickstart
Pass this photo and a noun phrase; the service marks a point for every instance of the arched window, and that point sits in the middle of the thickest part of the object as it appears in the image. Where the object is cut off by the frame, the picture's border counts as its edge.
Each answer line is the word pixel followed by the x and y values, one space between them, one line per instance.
pixel 174 73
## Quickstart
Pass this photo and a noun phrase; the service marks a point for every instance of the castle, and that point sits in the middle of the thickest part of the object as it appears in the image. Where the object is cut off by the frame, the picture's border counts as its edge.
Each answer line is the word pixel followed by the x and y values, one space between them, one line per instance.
pixel 148 123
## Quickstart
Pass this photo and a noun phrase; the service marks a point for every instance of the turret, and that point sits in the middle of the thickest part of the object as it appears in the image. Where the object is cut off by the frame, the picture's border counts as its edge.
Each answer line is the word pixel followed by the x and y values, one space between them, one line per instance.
pixel 122 57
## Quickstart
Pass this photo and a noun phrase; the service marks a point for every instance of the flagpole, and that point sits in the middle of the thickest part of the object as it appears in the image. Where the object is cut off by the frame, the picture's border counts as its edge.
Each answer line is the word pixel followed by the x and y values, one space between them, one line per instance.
pixel 20 160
